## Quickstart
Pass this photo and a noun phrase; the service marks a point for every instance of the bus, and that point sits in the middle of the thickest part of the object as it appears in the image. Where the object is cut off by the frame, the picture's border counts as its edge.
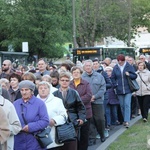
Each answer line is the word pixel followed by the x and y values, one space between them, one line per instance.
pixel 101 53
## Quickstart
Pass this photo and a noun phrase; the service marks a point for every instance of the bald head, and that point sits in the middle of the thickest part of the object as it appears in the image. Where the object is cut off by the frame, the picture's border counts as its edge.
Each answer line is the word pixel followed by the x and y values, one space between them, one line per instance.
pixel 6 66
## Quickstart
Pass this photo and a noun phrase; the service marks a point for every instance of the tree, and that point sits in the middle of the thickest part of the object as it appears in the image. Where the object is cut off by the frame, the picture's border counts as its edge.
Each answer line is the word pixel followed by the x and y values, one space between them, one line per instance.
pixel 41 24
pixel 102 18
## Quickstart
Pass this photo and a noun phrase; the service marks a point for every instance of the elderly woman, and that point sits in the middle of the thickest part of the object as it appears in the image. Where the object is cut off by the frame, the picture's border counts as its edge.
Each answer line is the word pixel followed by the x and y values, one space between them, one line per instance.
pixel 47 78
pixel 143 94
pixel 84 90
pixel 33 116
pixel 13 120
pixel 56 114
pixel 4 129
pixel 30 76
pixel 5 83
pixel 73 104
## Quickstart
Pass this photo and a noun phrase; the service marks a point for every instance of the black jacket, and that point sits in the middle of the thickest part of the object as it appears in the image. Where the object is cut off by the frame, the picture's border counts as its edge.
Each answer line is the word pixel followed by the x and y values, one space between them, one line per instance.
pixel 73 104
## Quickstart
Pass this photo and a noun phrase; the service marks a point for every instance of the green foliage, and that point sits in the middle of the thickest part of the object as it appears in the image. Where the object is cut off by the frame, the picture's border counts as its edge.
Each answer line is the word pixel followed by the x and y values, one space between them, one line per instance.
pixel 41 24
pixel 46 24
pixel 102 18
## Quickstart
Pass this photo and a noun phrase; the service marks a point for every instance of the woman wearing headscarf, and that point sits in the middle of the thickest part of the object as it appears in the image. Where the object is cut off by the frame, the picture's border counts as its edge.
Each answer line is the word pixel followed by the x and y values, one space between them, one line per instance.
pixel 55 108
pixel 33 116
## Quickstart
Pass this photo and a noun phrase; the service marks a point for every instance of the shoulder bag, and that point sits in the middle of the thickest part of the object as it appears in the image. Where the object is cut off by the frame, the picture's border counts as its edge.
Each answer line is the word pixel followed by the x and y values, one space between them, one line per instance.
pixel 148 88
pixel 133 84
pixel 43 137
pixel 65 132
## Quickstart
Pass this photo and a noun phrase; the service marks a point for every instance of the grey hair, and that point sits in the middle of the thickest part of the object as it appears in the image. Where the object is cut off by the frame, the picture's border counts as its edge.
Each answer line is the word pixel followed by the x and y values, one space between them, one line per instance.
pixel 44 83
pixel 89 60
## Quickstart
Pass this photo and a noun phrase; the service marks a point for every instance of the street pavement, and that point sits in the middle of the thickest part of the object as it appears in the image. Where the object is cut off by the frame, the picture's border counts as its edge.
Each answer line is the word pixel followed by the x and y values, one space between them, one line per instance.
pixel 114 133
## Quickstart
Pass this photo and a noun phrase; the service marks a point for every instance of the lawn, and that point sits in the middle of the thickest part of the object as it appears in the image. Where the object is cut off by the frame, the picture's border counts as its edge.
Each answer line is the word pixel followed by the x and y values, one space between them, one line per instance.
pixel 134 138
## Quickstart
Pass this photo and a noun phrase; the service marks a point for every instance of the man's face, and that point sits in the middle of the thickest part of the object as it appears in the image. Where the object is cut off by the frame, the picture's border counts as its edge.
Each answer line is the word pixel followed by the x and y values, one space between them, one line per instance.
pixel 130 61
pixel 88 67
pixel 5 66
pixel 142 59
pixel 96 65
pixel 41 65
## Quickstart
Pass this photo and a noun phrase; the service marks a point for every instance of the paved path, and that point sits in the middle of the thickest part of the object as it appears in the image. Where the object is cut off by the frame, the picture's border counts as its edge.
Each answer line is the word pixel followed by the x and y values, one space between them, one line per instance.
pixel 113 135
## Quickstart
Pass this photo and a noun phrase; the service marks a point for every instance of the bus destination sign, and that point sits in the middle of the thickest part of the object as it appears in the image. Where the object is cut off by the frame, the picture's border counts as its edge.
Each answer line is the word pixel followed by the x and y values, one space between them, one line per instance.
pixel 145 50
pixel 87 52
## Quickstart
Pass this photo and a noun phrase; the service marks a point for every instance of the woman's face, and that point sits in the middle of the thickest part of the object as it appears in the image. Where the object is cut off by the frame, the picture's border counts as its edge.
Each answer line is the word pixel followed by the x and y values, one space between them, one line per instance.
pixel 121 63
pixel 14 83
pixel 76 74
pixel 64 82
pixel 109 72
pixel 26 93
pixel 43 91
pixel 141 66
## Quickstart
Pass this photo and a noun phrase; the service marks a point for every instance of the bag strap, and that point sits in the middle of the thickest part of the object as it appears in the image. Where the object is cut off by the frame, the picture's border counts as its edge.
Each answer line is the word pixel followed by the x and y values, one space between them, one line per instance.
pixel 141 78
pixel 22 113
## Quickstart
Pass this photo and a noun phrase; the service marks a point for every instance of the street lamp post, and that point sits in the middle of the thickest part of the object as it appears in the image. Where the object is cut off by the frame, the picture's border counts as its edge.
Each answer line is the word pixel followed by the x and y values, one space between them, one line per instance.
pixel 74 24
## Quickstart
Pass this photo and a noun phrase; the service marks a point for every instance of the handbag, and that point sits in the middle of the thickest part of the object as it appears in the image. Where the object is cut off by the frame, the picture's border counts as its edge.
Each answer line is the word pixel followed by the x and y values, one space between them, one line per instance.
pixel 43 137
pixel 65 132
pixel 133 84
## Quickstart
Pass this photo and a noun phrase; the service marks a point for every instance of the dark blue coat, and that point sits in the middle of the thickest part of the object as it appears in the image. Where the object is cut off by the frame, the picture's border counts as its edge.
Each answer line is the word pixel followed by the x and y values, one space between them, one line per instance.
pixel 119 79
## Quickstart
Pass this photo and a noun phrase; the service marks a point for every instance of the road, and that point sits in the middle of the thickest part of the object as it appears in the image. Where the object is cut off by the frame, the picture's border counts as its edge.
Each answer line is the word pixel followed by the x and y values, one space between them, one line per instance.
pixel 111 132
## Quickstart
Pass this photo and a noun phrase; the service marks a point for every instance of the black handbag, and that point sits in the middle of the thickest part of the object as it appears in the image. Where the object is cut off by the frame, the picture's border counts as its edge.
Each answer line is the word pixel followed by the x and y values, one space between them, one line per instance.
pixel 65 133
pixel 44 137
pixel 133 84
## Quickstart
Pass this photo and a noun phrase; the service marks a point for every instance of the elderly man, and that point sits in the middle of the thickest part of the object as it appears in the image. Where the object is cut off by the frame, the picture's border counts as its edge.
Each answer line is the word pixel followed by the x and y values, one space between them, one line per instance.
pixel 6 69
pixel 98 86
pixel 42 68
pixel 143 59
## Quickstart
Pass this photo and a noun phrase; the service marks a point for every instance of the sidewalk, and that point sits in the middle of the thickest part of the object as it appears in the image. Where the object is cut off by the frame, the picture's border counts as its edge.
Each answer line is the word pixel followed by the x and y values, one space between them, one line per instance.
pixel 116 134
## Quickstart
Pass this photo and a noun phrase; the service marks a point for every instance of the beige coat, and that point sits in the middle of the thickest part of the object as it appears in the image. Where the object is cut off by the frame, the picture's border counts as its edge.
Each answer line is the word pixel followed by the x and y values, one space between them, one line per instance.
pixel 145 75
pixel 14 123
pixel 4 128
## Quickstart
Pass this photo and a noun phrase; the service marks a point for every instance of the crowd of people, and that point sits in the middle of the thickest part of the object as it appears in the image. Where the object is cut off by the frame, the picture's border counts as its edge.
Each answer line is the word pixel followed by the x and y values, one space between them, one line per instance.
pixel 94 95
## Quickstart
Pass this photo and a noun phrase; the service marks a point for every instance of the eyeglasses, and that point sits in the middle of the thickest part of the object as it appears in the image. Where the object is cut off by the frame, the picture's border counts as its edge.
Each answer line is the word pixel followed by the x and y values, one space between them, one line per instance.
pixel 4 64
pixel 64 80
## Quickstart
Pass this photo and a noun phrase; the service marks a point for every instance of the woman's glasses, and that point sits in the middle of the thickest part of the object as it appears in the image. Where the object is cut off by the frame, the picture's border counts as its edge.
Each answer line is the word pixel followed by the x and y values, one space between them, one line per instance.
pixel 64 80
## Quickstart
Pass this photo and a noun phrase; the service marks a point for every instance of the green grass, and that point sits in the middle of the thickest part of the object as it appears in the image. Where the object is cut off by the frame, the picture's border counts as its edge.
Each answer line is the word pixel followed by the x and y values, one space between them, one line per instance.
pixel 134 138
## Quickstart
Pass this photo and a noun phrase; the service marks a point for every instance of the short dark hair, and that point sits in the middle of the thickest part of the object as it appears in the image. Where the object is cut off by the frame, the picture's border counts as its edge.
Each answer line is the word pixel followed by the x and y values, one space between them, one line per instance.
pixel 15 75
pixel 54 74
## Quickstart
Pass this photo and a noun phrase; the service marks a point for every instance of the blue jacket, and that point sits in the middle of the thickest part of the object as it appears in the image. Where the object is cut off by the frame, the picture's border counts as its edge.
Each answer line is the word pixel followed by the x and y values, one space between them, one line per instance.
pixel 119 79
pixel 35 114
